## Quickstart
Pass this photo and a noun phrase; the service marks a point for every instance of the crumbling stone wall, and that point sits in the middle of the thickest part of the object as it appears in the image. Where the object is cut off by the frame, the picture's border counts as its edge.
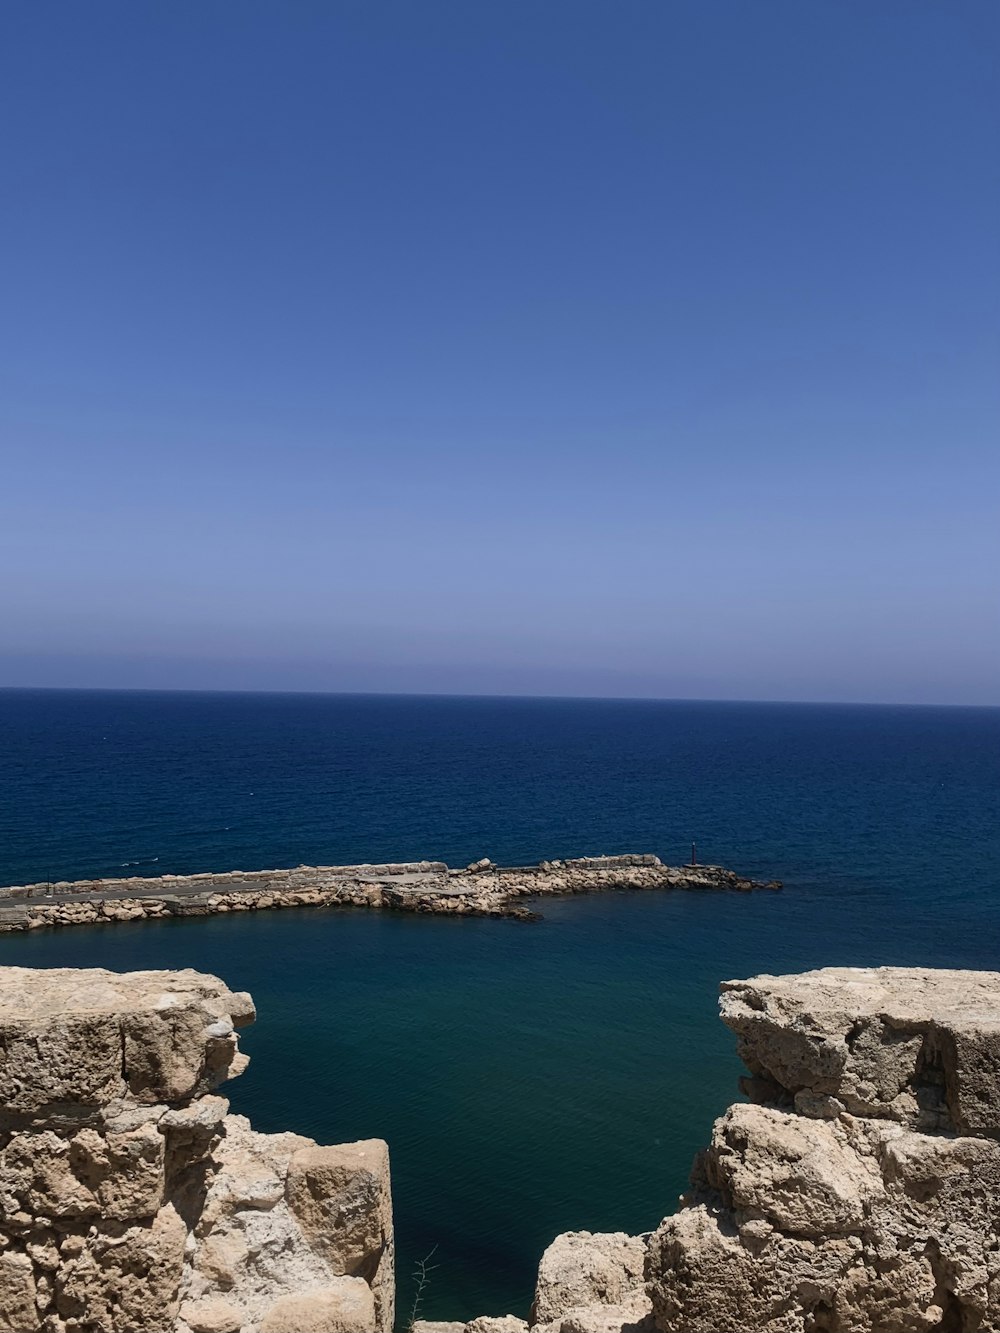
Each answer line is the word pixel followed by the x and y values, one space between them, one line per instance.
pixel 131 1200
pixel 861 1188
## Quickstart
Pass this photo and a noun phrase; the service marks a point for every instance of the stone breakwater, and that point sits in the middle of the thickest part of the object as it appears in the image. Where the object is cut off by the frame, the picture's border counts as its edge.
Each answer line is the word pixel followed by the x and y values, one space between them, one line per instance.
pixel 859 1189
pixel 481 889
pixel 131 1200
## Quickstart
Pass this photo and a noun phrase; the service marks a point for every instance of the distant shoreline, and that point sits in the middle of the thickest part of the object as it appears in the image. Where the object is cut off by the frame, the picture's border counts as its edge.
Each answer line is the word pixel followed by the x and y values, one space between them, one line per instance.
pixel 480 889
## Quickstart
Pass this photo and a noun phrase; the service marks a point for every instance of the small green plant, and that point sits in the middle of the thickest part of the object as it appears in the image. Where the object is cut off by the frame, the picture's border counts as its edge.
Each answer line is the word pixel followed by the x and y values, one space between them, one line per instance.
pixel 421 1276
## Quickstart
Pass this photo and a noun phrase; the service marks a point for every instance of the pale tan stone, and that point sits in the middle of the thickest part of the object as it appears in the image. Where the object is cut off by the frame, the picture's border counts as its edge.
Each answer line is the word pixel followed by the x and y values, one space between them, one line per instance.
pixel 846 1223
pixel 126 1278
pixel 82 1037
pixel 221 1257
pixel 802 1176
pixel 496 1324
pixel 18 1313
pixel 212 1315
pixel 346 1305
pixel 123 1172
pixel 126 1188
pixel 582 1275
pixel 36 1176
pixel 341 1196
pixel 505 1323
pixel 918 1045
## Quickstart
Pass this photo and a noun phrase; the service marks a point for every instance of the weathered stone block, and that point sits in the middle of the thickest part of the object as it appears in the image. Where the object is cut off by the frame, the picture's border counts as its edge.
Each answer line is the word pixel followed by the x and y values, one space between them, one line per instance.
pixel 917 1045
pixel 73 1040
pixel 18 1313
pixel 802 1176
pixel 341 1196
pixel 345 1306
pixel 582 1274
pixel 855 1206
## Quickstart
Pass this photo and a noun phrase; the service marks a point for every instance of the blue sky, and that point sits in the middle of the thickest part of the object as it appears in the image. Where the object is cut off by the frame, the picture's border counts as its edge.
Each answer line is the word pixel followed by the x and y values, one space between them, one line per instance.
pixel 560 348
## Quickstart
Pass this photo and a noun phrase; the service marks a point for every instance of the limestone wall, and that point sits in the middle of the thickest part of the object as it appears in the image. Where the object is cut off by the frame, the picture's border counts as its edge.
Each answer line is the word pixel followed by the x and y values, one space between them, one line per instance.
pixel 131 1200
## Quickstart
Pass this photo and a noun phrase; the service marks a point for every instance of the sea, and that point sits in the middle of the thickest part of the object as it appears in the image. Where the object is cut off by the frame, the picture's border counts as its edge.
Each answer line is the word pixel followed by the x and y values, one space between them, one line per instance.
pixel 530 1078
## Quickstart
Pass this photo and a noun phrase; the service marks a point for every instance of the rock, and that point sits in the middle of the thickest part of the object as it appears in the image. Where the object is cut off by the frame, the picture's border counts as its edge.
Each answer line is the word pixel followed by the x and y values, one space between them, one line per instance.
pixel 256 1247
pixel 37 1178
pixel 78 1039
pixel 17 1294
pixel 131 1200
pixel 435 1326
pixel 341 1196
pixel 805 1177
pixel 127 1277
pixel 918 1045
pixel 605 1319
pixel 583 1276
pixel 816 1105
pixel 482 889
pixel 345 1306
pixel 220 1258
pixel 212 1316
pixel 887 1220
pixel 506 1323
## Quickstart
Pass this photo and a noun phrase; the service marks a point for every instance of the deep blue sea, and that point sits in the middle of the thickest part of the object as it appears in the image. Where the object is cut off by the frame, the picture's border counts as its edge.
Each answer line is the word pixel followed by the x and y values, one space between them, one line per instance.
pixel 530 1078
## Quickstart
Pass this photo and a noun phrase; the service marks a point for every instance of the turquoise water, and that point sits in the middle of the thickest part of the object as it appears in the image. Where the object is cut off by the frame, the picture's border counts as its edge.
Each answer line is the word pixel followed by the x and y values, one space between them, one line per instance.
pixel 529 1078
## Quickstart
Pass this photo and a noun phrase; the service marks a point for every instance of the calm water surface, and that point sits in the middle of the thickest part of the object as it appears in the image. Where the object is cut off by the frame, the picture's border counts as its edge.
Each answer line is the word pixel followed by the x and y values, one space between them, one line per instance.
pixel 529 1078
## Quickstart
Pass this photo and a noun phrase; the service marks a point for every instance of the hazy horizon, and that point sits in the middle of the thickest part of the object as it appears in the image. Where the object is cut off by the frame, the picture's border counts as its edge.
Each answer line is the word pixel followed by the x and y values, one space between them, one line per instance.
pixel 434 694
pixel 564 350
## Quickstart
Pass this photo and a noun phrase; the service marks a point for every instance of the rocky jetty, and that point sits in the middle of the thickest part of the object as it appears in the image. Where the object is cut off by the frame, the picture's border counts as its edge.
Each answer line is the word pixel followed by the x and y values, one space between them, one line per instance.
pixel 481 889
pixel 131 1200
pixel 859 1189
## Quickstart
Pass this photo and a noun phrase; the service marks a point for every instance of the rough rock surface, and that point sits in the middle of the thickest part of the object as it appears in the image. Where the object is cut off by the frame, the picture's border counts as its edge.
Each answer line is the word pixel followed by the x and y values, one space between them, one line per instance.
pixel 588 1283
pixel 917 1045
pixel 130 1200
pixel 866 1195
pixel 481 889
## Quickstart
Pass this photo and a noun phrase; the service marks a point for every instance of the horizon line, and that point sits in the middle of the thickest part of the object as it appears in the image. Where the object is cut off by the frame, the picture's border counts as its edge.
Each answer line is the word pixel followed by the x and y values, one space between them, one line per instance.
pixel 439 694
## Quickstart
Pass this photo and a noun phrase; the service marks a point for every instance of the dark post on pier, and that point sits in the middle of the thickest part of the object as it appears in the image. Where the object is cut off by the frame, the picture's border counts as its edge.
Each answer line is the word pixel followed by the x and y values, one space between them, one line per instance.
pixel 694 854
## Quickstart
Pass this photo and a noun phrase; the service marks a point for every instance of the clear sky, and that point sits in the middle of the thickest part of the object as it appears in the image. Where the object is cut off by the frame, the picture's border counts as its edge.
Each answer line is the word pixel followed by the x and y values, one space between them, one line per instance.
pixel 532 346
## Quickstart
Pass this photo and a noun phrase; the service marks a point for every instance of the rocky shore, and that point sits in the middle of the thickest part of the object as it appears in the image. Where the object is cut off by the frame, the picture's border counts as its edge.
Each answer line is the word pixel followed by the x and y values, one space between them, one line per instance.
pixel 481 889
